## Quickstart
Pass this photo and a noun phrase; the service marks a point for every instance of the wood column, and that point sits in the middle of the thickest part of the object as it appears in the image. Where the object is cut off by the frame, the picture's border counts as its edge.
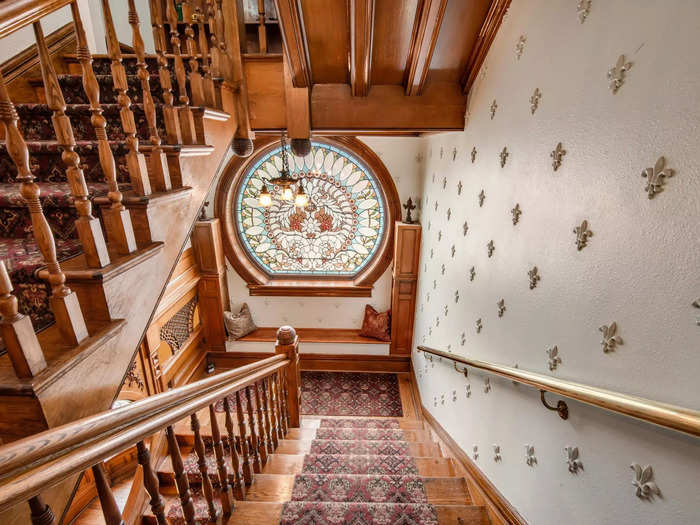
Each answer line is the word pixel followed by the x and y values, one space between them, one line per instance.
pixel 405 280
pixel 213 290
pixel 288 344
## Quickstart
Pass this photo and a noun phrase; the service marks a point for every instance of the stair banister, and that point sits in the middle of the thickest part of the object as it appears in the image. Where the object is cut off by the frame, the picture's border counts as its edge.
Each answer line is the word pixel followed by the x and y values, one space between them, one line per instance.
pixel 195 77
pixel 50 469
pixel 15 14
pixel 665 415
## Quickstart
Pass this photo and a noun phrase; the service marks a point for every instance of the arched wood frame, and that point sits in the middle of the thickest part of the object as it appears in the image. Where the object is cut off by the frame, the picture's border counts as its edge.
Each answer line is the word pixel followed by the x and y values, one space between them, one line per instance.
pixel 259 283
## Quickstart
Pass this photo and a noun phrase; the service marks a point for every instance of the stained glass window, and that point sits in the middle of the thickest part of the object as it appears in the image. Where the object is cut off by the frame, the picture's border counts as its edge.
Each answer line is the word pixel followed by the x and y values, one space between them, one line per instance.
pixel 337 233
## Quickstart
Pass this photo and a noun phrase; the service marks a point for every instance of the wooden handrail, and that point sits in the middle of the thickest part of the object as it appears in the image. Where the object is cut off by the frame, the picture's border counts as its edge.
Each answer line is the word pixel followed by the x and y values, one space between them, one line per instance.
pixel 16 14
pixel 665 415
pixel 103 435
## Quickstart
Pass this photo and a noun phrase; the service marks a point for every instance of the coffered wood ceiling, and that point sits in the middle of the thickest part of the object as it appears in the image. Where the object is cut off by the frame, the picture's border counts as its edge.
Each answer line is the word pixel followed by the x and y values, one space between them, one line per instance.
pixel 373 66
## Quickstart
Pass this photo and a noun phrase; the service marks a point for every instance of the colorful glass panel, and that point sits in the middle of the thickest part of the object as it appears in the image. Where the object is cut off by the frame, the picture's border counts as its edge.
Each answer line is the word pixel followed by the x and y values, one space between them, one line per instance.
pixel 339 231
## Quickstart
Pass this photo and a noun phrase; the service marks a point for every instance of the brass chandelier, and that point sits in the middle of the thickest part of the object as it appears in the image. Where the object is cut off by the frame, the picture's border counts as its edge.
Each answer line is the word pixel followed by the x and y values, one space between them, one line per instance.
pixel 287 183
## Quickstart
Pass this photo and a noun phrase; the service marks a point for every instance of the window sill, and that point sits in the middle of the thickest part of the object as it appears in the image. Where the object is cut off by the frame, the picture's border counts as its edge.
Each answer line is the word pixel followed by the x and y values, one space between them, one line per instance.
pixel 316 289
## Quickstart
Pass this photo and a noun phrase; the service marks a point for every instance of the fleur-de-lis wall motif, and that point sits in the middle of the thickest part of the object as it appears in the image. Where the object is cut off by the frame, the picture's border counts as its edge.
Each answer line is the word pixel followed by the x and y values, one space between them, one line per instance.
pixel 436 205
pixel 572 460
pixel 453 250
pixel 616 74
pixel 463 339
pixel 449 213
pixel 501 307
pixel 645 488
pixel 430 225
pixel 454 396
pixel 437 322
pixel 535 100
pixel 516 212
pixel 583 7
pixel 490 248
pixel 557 155
pixel 656 177
pixel 520 46
pixel 419 158
pixel 482 198
pixel 442 269
pixel 492 108
pixel 487 385
pixel 475 452
pixel 696 304
pixel 553 357
pixel 610 338
pixel 479 325
pixel 497 452
pixel 434 401
pixel 446 310
pixel 454 154
pixel 530 458
pixel 444 183
pixel 432 252
pixel 431 154
pixel 472 273
pixel 473 154
pixel 468 390
pixel 442 399
pixel 459 188
pixel 434 284
pixel 534 276
pixel 465 228
pixel 456 296
pixel 442 152
pixel 439 235
pixel 503 155
pixel 582 235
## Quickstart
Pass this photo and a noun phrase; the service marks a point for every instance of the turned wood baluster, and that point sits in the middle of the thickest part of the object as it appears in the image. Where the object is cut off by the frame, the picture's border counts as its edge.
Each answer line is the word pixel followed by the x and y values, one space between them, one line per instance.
pixel 262 32
pixel 245 450
pixel 262 432
pixel 87 225
pixel 201 452
pixel 238 484
pixel 150 483
pixel 259 456
pixel 225 59
pixel 110 509
pixel 170 116
pixel 183 486
pixel 225 493
pixel 158 172
pixel 208 82
pixel 285 403
pixel 269 415
pixel 136 162
pixel 17 332
pixel 41 513
pixel 278 400
pixel 214 50
pixel 64 302
pixel 195 77
pixel 117 220
pixel 186 117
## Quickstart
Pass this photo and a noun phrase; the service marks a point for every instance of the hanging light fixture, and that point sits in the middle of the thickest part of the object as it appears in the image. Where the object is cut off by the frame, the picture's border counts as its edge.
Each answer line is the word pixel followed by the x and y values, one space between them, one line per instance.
pixel 286 182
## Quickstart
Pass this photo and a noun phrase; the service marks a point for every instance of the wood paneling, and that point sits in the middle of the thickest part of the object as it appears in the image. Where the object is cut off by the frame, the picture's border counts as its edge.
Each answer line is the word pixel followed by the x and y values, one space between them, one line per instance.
pixel 361 14
pixel 405 280
pixel 291 22
pixel 424 38
pixel 328 39
pixel 266 97
pixel 393 27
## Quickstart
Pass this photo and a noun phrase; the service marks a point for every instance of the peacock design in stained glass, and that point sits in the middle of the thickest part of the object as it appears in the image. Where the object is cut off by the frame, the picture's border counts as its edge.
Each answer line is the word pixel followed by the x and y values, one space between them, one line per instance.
pixel 337 233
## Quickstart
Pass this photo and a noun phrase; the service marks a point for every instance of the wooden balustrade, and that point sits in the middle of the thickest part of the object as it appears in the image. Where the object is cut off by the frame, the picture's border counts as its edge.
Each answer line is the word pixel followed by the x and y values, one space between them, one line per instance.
pixel 41 513
pixel 110 509
pixel 243 440
pixel 135 160
pixel 225 489
pixel 194 76
pixel 187 128
pixel 210 91
pixel 158 169
pixel 260 420
pixel 201 452
pixel 262 31
pixel 116 217
pixel 171 120
pixel 237 479
pixel 87 225
pixel 181 482
pixel 63 301
pixel 17 332
pixel 150 483
pixel 269 409
pixel 254 439
pixel 214 51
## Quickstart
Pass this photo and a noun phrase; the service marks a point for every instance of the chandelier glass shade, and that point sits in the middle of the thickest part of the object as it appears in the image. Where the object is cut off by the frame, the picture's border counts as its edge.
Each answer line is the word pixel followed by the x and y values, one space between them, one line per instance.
pixel 290 187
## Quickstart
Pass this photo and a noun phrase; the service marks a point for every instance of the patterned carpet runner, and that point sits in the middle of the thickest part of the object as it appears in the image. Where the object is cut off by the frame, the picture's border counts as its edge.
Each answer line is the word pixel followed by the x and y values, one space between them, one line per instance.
pixel 350 394
pixel 327 513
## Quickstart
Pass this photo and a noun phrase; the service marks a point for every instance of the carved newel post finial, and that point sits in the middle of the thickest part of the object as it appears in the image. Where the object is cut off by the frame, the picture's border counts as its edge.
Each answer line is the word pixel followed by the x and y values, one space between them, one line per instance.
pixel 203 211
pixel 286 335
pixel 409 206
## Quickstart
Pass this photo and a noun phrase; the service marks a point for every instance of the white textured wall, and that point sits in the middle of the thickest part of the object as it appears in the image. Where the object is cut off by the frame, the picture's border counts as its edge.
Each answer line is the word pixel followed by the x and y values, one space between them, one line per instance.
pixel 399 156
pixel 641 268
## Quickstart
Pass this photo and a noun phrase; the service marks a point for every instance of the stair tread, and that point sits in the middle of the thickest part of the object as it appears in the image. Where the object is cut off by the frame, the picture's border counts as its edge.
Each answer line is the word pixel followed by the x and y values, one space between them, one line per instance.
pixel 294 464
pixel 327 433
pixel 378 447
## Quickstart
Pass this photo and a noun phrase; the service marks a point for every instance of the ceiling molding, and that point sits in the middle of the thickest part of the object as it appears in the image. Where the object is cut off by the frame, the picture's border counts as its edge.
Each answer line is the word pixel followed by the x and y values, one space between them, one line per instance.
pixel 361 37
pixel 425 34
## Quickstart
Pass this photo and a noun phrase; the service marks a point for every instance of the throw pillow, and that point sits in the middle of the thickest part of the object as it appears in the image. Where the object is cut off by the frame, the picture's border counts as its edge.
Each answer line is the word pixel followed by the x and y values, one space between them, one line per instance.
pixel 376 325
pixel 240 324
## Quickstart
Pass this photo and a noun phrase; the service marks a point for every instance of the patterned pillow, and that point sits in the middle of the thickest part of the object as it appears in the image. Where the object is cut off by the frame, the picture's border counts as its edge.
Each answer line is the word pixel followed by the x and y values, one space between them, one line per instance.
pixel 240 324
pixel 376 325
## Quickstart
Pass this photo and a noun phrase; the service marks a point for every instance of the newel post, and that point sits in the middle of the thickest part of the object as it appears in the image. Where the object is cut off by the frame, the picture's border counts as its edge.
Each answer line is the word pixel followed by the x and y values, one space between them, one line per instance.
pixel 288 343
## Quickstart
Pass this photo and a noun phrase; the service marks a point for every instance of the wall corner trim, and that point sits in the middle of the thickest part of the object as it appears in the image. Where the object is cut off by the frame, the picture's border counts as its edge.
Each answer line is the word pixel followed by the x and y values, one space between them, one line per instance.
pixel 495 502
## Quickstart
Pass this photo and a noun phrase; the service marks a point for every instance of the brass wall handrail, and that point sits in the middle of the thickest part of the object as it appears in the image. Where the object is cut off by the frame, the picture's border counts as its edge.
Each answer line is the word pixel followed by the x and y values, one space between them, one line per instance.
pixel 665 415
pixel 16 14
pixel 30 465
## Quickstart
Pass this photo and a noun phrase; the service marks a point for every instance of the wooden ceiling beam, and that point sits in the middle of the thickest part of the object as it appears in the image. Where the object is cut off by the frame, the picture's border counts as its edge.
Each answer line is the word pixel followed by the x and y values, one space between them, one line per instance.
pixel 426 29
pixel 361 37
pixel 488 31
pixel 291 22
pixel 298 114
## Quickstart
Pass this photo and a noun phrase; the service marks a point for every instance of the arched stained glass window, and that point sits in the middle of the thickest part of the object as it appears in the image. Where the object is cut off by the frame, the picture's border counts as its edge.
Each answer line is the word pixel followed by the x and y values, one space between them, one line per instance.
pixel 337 234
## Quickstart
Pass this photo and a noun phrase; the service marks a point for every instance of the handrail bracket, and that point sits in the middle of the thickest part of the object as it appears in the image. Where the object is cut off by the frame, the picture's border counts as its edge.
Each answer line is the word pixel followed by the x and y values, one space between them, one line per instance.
pixel 562 408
